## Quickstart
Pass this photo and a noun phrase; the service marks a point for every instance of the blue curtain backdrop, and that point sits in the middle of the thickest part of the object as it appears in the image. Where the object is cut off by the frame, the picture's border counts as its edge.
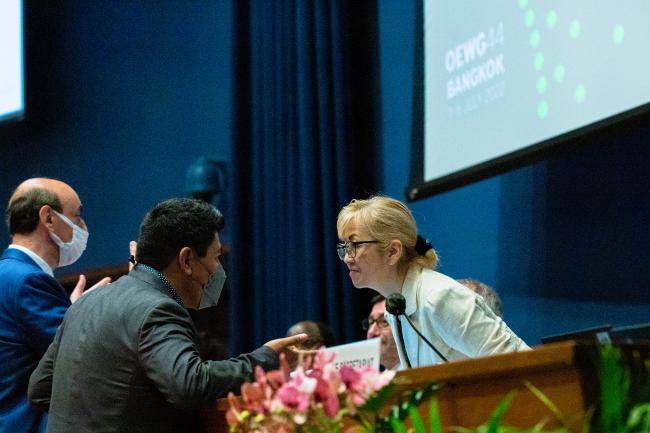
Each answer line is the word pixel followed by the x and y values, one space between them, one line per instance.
pixel 306 143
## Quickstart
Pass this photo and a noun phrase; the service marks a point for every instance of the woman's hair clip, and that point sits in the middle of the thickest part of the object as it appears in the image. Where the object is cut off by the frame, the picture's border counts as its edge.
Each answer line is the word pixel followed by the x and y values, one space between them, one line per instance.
pixel 422 246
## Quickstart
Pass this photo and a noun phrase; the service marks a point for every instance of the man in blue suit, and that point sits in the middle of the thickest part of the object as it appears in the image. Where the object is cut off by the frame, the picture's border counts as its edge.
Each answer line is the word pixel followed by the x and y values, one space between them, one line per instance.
pixel 48 231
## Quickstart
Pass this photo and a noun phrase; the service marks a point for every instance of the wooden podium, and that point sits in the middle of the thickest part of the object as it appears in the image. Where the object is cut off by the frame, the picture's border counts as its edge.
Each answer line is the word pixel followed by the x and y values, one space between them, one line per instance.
pixel 472 389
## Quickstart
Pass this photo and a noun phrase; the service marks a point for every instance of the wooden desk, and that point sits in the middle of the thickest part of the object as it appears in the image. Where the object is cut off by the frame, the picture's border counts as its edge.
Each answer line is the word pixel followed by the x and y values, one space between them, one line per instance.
pixel 473 388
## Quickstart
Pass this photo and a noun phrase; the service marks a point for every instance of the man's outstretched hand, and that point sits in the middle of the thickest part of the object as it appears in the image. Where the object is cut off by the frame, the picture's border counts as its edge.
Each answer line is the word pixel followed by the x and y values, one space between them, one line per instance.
pixel 288 345
pixel 81 284
pixel 133 246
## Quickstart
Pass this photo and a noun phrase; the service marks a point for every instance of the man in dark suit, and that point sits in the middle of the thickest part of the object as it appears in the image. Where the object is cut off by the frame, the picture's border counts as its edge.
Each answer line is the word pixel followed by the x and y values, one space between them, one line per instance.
pixel 48 231
pixel 126 357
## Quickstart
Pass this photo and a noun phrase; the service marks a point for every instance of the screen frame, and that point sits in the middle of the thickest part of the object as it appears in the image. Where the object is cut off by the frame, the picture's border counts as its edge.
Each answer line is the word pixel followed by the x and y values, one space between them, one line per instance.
pixel 592 334
pixel 419 189
pixel 19 115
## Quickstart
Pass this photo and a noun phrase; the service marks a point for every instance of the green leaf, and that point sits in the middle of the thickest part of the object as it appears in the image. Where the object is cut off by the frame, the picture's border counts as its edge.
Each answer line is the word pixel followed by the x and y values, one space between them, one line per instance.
pixel 374 403
pixel 400 410
pixel 586 421
pixel 639 418
pixel 495 418
pixel 458 429
pixel 416 420
pixel 539 426
pixel 434 416
pixel 614 389
pixel 546 401
pixel 398 426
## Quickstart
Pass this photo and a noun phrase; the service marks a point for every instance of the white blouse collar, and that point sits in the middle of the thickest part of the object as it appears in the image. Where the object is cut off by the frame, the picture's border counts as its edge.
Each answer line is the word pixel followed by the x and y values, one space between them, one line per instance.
pixel 410 288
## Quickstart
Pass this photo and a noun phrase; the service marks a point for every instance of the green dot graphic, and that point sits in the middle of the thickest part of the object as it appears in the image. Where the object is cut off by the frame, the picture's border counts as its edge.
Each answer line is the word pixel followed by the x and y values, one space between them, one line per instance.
pixel 551 19
pixel 523 4
pixel 530 18
pixel 539 61
pixel 542 109
pixel 559 73
pixel 618 34
pixel 541 85
pixel 580 93
pixel 574 29
pixel 534 39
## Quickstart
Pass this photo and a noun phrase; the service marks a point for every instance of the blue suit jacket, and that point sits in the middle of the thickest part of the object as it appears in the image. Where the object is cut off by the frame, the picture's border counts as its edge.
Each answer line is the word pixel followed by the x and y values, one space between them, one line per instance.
pixel 32 305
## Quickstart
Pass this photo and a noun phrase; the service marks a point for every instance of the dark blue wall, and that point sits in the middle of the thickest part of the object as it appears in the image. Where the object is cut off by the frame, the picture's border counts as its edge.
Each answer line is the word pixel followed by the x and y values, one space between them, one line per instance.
pixel 121 98
pixel 564 241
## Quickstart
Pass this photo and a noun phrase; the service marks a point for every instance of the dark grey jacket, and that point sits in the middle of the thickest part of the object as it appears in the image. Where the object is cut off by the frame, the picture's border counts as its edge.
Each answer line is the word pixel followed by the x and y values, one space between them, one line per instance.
pixel 125 359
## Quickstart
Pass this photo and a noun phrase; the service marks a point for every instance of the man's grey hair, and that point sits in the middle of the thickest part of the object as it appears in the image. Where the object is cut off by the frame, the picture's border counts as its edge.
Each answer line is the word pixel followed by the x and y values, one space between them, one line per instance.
pixel 488 293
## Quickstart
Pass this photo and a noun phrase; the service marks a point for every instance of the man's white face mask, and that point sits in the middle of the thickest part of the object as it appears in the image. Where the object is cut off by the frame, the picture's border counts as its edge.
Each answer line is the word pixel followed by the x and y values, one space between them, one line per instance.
pixel 212 289
pixel 69 252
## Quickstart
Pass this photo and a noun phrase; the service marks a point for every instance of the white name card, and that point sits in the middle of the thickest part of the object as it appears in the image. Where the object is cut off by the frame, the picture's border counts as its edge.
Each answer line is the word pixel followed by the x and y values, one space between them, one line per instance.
pixel 364 353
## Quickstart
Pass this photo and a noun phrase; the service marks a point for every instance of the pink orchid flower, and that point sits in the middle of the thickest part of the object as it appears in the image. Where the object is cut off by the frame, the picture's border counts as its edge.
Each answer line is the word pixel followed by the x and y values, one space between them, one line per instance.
pixel 281 401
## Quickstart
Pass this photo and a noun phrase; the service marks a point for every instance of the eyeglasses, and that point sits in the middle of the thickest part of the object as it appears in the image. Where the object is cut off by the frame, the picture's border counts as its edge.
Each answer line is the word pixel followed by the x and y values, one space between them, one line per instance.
pixel 367 323
pixel 350 248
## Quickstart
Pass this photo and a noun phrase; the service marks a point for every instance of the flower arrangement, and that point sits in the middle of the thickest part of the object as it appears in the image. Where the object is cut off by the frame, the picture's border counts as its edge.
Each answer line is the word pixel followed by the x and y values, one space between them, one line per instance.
pixel 315 397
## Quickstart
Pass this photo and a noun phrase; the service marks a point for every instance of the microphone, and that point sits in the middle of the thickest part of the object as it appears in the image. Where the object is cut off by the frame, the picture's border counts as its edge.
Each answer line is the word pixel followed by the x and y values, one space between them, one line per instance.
pixel 396 305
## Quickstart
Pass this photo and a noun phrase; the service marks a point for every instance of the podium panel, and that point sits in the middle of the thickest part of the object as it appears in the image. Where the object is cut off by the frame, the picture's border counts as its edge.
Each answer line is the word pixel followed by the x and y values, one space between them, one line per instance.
pixel 472 389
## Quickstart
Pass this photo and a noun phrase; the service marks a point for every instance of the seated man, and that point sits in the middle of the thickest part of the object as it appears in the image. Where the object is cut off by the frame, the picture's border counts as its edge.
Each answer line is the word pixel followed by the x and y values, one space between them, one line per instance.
pixel 318 334
pixel 376 326
pixel 491 297
pixel 125 357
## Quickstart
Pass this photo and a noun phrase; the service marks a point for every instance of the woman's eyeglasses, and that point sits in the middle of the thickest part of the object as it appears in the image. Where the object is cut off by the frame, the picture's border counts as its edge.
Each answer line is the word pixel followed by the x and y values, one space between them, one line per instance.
pixel 350 248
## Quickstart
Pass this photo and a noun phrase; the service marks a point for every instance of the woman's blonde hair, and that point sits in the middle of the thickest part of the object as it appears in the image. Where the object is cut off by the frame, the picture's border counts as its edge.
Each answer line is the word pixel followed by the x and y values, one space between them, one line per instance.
pixel 386 219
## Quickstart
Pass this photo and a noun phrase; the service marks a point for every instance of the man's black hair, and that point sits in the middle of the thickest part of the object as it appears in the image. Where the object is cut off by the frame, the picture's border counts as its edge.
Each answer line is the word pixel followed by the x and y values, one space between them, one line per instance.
pixel 174 224
pixel 376 299
pixel 21 215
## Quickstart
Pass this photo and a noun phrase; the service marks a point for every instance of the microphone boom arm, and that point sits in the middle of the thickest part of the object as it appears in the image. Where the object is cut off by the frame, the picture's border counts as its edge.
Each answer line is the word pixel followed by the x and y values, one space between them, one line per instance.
pixel 426 340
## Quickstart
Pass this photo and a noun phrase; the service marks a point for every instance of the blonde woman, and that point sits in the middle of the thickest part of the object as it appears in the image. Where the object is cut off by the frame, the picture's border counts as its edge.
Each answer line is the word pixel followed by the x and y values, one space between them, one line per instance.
pixel 382 250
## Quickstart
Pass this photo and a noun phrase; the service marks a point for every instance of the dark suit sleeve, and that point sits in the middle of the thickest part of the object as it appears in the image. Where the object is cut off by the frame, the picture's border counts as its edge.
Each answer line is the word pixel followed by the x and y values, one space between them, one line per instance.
pixel 170 358
pixel 41 304
pixel 39 391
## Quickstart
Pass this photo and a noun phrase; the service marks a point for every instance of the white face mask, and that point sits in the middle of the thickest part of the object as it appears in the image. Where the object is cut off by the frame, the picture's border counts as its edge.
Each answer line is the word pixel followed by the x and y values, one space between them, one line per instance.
pixel 212 289
pixel 69 252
